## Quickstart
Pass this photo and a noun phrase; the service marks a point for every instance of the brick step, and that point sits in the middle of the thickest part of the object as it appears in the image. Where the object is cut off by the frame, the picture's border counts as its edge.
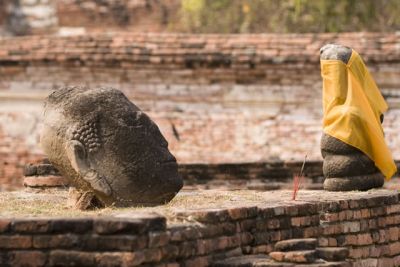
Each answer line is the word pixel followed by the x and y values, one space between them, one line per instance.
pixel 296 244
pixel 297 256
pixel 262 260
pixel 333 253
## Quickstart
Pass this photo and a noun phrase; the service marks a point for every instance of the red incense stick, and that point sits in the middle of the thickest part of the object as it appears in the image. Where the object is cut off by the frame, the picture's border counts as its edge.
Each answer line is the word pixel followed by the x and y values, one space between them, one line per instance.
pixel 297 180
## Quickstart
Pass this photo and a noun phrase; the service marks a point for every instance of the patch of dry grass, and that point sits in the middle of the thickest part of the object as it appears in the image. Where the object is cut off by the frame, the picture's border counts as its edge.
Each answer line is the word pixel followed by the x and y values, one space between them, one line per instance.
pixel 54 203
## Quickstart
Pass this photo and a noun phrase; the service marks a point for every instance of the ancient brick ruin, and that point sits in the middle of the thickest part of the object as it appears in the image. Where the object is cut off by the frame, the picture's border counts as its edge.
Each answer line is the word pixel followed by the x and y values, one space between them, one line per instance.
pixel 367 224
pixel 213 96
pixel 26 17
pixel 240 112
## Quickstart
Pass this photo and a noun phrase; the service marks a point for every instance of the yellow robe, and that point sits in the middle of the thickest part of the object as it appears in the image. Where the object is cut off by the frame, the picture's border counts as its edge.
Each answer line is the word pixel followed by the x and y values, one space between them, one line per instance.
pixel 352 105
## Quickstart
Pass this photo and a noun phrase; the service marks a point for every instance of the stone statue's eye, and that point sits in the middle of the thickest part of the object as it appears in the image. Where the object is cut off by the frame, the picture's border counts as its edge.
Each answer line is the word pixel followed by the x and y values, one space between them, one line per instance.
pixel 130 120
pixel 136 119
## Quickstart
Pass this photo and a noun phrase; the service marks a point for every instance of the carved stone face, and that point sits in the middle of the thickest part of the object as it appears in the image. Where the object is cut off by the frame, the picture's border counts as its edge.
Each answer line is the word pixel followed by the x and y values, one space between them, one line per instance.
pixel 105 144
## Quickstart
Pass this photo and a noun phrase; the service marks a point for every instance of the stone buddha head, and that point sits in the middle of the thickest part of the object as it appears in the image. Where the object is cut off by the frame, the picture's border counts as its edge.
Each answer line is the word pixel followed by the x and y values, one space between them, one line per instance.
pixel 106 145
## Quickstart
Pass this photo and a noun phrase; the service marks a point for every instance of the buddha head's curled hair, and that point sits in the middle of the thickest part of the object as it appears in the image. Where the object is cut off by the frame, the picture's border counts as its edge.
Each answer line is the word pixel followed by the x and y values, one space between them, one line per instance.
pixel 88 135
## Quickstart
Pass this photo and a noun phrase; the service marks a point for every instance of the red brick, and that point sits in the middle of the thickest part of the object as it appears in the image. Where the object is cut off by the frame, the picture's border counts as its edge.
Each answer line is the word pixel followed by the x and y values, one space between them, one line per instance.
pixel 196 262
pixel 364 239
pixel 188 249
pixel 394 248
pixel 133 258
pixel 396 260
pixel 4 225
pixel 109 259
pixel 305 256
pixel 385 262
pixel 357 253
pixel 350 227
pixel 331 217
pixel 30 225
pixel 373 223
pixel 131 224
pixel 56 241
pixel 390 220
pixel 152 255
pixel 158 239
pixel 27 258
pixel 382 222
pixel 114 242
pixel 273 223
pixel 351 240
pixel 74 258
pixel 385 250
pixel 204 246
pixel 365 262
pixel 323 242
pixel 382 236
pixel 311 232
pixel 277 256
pixel 375 252
pixel 246 238
pixel 333 253
pixel 300 221
pixel 342 216
pixel 331 229
pixel 15 241
pixel 169 252
pixel 357 215
pixel 332 242
pixel 208 215
pixel 378 211
pixel 168 265
pixel 365 213
pixel 263 249
pixel 71 225
pixel 393 233
pixel 393 209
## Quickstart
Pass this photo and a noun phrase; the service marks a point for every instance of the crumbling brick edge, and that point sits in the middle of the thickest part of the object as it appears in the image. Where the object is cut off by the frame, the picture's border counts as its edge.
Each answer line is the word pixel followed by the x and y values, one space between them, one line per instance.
pixel 367 224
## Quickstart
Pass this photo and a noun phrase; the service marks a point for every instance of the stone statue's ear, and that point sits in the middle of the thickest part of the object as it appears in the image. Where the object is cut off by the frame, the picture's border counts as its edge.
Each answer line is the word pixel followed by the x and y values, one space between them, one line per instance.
pixel 77 155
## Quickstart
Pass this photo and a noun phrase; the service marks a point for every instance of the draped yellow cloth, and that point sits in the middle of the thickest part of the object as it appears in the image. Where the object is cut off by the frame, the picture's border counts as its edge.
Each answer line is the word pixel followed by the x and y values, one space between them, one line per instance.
pixel 352 105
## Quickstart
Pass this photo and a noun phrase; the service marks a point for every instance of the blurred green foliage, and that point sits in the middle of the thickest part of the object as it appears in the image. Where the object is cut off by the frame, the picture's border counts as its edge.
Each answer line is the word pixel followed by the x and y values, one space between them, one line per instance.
pixel 257 16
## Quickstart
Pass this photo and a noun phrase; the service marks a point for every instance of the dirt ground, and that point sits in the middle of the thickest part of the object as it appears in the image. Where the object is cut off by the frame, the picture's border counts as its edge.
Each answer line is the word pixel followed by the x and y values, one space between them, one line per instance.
pixel 53 203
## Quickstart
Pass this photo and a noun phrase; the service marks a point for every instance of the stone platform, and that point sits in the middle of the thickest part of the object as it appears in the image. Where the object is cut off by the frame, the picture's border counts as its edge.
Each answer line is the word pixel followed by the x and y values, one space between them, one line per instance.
pixel 198 228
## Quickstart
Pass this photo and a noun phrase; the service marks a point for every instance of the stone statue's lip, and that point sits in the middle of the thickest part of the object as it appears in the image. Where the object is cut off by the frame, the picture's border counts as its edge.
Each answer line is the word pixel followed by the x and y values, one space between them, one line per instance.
pixel 169 162
pixel 169 165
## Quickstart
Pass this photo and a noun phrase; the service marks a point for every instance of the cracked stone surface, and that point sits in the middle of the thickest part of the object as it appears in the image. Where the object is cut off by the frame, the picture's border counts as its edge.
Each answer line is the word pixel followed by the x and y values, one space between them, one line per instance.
pixel 108 147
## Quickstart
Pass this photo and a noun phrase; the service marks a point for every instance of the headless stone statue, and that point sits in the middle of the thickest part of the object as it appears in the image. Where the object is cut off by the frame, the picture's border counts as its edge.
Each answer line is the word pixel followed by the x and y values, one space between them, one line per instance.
pixel 112 152
pixel 345 167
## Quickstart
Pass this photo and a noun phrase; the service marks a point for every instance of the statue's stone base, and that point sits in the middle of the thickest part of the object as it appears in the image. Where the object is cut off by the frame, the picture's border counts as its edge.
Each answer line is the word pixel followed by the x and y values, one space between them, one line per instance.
pixel 363 182
pixel 346 168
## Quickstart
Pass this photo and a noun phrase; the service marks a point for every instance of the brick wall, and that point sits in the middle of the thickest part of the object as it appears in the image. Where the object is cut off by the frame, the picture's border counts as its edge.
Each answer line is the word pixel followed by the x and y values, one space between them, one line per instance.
pixel 217 98
pixel 27 17
pixel 2 13
pixel 22 17
pixel 3 17
pixel 367 223
pixel 132 15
